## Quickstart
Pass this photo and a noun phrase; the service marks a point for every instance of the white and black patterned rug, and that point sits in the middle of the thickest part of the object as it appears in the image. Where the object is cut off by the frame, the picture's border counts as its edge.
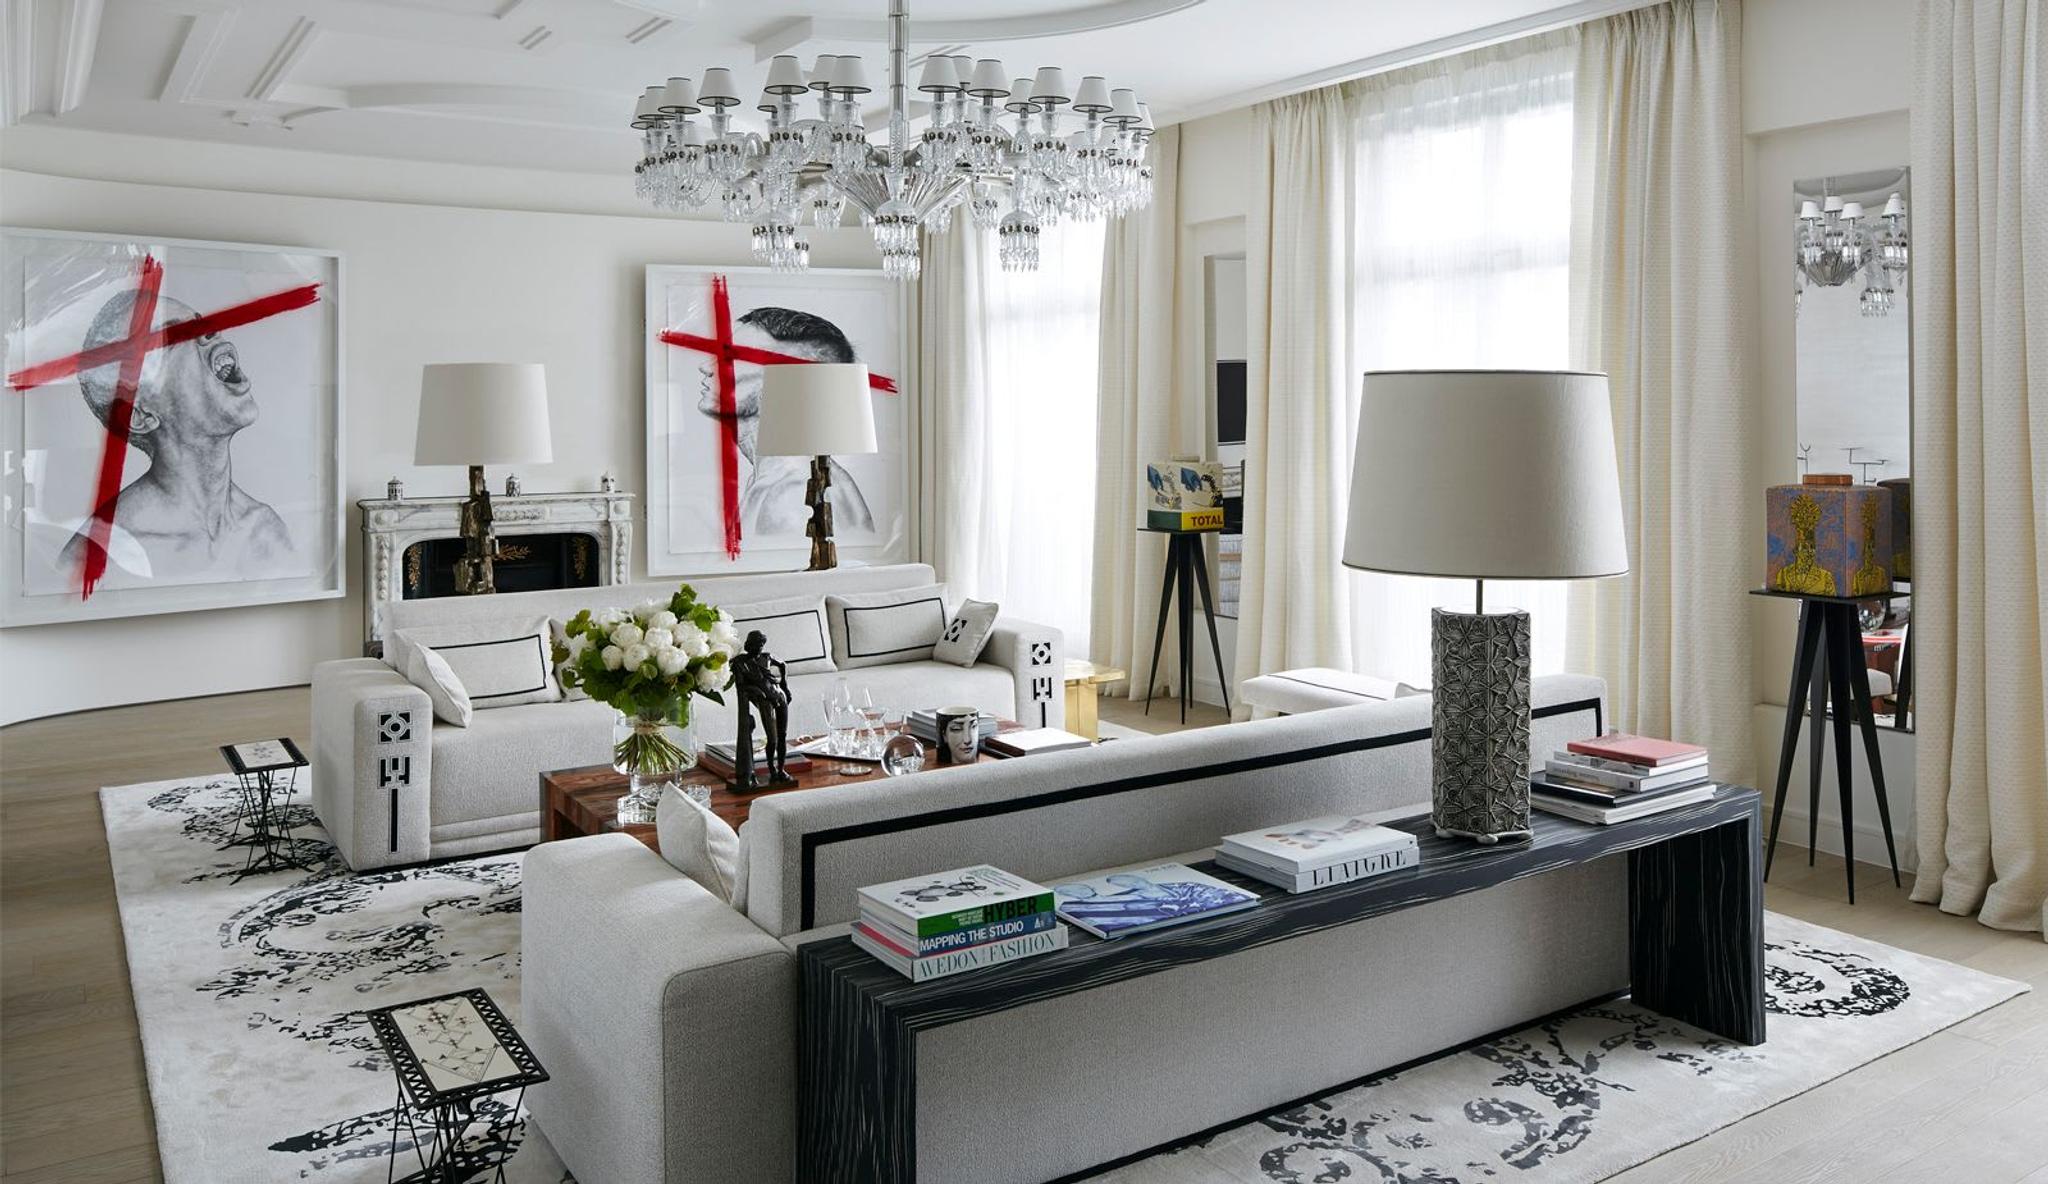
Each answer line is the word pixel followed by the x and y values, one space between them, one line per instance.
pixel 249 996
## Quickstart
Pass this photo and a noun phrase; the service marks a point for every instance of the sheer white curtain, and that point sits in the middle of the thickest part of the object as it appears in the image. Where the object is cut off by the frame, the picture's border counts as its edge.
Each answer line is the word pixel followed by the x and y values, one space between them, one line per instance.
pixel 1461 260
pixel 1016 446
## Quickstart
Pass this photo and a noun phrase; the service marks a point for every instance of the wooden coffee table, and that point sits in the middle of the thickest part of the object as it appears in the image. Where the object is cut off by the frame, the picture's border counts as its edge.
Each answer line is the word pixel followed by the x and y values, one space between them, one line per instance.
pixel 577 802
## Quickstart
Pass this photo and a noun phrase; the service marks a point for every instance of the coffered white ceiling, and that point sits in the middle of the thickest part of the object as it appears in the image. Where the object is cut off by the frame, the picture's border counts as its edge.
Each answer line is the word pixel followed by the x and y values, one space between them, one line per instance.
pixel 550 83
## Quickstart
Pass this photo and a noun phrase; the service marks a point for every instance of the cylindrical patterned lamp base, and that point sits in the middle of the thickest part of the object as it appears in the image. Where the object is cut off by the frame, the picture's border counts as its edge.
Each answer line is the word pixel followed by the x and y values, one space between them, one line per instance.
pixel 1479 748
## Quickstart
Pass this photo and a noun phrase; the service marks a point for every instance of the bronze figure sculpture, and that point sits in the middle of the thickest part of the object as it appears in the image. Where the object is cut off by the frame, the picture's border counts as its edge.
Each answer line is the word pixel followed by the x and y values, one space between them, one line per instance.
pixel 761 682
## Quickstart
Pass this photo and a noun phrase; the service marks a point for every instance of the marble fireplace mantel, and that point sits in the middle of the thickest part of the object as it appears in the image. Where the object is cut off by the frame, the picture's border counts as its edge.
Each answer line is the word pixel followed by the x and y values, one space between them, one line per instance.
pixel 392 524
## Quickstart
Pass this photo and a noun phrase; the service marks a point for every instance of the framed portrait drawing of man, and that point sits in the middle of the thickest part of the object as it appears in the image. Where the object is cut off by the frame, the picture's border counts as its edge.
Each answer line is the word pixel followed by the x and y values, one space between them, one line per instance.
pixel 172 431
pixel 713 502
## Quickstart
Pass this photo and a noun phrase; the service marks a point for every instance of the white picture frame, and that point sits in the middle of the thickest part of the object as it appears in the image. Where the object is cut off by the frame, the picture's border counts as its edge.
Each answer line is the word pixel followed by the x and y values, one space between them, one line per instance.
pixel 282 540
pixel 685 503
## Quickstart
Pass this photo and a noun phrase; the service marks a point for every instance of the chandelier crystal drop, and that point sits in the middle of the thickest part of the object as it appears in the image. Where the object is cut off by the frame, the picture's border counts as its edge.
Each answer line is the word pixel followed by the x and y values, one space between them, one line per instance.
pixel 1019 154
pixel 1837 241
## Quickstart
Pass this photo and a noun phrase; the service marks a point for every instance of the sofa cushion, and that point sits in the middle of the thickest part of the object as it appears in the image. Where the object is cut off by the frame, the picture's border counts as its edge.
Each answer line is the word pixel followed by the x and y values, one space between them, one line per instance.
pixel 490 769
pixel 501 661
pixel 883 628
pixel 794 627
pixel 426 669
pixel 966 635
pixel 701 845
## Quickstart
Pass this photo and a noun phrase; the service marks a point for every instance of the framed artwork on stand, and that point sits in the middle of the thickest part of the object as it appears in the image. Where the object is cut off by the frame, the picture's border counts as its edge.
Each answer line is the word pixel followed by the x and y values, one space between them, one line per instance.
pixel 172 431
pixel 714 504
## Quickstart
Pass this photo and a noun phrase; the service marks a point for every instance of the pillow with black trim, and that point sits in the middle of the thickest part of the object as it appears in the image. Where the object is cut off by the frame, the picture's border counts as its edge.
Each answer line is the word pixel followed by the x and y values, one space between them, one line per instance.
pixel 795 629
pixel 884 628
pixel 498 663
pixel 426 669
pixel 966 635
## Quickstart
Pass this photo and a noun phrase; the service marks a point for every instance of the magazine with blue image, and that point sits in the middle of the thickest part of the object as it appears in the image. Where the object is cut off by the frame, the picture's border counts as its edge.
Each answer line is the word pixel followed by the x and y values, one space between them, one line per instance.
pixel 1137 900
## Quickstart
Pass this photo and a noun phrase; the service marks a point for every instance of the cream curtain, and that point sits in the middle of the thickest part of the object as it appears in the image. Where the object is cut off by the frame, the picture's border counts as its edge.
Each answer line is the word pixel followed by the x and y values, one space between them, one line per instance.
pixel 1293 606
pixel 1134 418
pixel 1009 364
pixel 1656 303
pixel 953 369
pixel 1980 458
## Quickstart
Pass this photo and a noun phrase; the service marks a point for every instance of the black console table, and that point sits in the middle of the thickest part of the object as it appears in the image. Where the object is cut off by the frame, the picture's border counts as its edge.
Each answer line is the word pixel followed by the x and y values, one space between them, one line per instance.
pixel 1696 954
pixel 1188 571
pixel 1828 665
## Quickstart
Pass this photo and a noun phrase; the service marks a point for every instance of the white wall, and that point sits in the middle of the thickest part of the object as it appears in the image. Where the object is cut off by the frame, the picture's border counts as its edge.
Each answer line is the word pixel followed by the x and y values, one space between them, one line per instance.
pixel 444 263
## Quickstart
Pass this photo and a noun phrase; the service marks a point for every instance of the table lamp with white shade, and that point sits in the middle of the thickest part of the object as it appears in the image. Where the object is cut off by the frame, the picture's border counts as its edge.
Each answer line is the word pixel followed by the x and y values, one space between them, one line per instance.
pixel 477 414
pixel 1484 474
pixel 819 410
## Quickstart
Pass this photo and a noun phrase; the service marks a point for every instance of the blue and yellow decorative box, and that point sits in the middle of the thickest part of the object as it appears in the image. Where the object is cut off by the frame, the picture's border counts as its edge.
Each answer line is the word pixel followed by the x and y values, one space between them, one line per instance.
pixel 1902 526
pixel 1828 539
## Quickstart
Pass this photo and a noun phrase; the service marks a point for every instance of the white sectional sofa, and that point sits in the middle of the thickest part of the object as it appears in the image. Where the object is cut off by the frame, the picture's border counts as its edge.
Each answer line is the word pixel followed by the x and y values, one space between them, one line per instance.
pixel 668 1018
pixel 393 786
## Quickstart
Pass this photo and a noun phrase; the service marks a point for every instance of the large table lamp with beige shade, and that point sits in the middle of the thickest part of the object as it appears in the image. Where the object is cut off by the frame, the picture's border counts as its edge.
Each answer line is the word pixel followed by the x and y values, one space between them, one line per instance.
pixel 477 414
pixel 819 410
pixel 1484 474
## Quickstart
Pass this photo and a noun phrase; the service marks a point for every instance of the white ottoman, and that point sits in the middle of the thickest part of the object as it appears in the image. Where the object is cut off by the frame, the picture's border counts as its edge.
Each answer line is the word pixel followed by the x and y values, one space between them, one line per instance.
pixel 1291 692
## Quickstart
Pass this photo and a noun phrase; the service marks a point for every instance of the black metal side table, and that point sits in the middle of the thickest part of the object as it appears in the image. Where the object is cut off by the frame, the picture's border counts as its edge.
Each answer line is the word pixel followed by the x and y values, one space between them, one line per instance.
pixel 1186 569
pixel 450 1053
pixel 1828 666
pixel 268 773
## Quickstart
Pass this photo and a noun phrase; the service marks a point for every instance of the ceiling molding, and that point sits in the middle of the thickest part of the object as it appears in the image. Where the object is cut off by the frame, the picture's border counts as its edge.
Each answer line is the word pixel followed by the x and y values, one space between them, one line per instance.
pixel 290 51
pixel 205 33
pixel 1527 26
pixel 529 105
pixel 789 35
pixel 78 38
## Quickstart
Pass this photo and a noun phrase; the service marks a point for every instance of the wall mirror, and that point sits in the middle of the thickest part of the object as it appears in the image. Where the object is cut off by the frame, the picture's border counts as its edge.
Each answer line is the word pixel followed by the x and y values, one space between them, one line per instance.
pixel 1853 345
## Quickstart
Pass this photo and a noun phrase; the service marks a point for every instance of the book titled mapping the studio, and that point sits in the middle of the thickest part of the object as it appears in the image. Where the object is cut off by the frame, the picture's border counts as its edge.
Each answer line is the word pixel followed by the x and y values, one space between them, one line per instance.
pixel 1139 900
pixel 1296 847
pixel 960 899
pixel 931 966
pixel 1361 867
pixel 940 943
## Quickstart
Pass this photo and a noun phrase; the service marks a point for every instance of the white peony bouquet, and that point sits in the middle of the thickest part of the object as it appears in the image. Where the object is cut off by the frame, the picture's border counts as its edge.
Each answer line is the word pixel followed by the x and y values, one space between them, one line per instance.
pixel 647 663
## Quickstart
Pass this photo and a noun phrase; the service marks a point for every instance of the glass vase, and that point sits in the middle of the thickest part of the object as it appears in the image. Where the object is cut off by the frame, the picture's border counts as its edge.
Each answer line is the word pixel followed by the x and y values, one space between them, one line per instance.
pixel 653 752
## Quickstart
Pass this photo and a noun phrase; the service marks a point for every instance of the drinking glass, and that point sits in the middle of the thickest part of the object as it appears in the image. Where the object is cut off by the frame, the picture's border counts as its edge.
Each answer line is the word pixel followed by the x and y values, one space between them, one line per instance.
pixel 872 735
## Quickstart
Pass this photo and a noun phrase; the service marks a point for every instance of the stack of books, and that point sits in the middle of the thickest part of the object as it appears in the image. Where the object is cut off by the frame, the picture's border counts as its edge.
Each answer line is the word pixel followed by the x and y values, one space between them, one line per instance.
pixel 1616 777
pixel 1318 852
pixel 1032 741
pixel 925 725
pixel 928 927
pixel 718 759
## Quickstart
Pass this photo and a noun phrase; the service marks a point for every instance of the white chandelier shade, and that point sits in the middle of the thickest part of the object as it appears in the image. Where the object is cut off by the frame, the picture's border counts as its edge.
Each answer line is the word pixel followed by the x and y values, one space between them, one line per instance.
pixel 1069 151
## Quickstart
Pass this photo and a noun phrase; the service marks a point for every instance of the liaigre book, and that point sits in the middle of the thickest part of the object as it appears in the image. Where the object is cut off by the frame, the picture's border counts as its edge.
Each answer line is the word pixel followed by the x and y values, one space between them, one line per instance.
pixel 1358 867
pixel 931 966
pixel 1295 847
pixel 961 899
pixel 1142 899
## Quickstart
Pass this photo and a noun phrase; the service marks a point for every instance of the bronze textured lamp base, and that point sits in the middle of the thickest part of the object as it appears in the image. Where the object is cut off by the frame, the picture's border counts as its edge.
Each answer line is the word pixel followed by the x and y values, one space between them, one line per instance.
pixel 824 552
pixel 475 574
pixel 1479 747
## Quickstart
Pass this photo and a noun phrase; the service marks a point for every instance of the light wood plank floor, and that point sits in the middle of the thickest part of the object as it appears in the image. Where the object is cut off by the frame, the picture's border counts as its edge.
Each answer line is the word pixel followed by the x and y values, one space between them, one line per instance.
pixel 1971 1103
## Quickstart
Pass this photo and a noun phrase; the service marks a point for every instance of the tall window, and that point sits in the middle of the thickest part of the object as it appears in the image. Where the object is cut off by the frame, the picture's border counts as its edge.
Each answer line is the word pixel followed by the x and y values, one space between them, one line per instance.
pixel 1041 332
pixel 1461 243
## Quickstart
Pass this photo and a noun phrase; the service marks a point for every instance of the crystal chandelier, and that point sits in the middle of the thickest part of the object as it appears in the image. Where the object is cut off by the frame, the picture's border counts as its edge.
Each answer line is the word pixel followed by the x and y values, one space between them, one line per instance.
pixel 1016 180
pixel 1837 241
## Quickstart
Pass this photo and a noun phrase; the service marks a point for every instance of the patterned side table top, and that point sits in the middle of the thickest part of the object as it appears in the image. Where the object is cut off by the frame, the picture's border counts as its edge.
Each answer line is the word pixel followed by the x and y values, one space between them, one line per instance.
pixel 453 1048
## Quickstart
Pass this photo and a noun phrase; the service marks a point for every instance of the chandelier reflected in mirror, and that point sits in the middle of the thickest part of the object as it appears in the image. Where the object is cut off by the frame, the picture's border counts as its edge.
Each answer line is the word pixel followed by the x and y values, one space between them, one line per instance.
pixel 1839 241
pixel 1021 154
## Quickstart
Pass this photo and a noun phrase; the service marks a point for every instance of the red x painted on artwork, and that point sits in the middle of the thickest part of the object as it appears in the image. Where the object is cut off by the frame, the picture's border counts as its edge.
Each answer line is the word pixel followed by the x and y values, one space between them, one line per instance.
pixel 725 352
pixel 129 353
